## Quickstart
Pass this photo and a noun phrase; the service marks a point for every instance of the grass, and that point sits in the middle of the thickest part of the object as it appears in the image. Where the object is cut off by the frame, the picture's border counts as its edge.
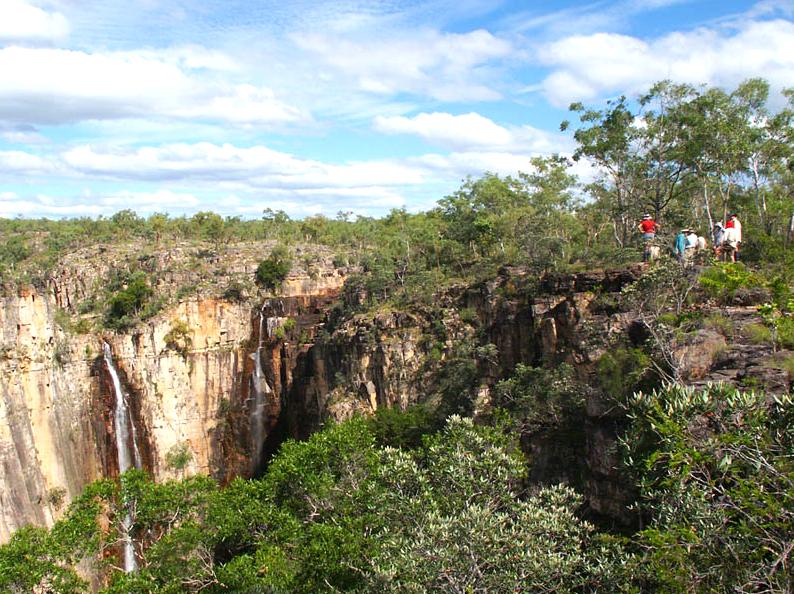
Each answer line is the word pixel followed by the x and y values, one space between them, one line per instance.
pixel 721 324
pixel 784 361
pixel 758 333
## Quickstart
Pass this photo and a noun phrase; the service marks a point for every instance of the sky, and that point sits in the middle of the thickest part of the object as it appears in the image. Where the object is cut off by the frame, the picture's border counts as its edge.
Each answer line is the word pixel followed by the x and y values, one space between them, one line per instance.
pixel 317 107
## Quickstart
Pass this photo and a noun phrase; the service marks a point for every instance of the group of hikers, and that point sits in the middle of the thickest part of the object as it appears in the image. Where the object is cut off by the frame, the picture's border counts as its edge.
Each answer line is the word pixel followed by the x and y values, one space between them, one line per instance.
pixel 726 240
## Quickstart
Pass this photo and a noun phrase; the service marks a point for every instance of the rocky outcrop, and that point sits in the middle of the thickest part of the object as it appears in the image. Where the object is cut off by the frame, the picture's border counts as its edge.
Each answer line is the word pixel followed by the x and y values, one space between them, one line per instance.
pixel 51 444
pixel 390 359
pixel 186 375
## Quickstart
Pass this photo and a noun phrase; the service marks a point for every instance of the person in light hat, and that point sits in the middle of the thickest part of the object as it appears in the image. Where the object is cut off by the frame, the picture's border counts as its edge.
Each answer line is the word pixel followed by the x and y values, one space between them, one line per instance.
pixel 733 230
pixel 648 227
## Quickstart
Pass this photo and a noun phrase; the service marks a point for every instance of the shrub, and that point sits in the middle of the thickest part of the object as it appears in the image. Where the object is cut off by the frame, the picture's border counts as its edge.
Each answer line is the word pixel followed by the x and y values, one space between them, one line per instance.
pixel 126 303
pixel 758 333
pixel 402 429
pixel 722 281
pixel 62 318
pixel 721 324
pixel 234 292
pixel 178 338
pixel 87 306
pixel 537 397
pixel 185 291
pixel 715 471
pixel 622 371
pixel 272 271
pixel 178 457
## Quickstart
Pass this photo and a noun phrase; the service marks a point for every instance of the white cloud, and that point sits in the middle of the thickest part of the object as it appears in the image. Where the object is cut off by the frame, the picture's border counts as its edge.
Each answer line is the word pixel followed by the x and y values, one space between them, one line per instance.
pixel 469 129
pixel 21 162
pixel 23 137
pixel 21 21
pixel 472 131
pixel 368 201
pixel 474 163
pixel 589 66
pixel 443 66
pixel 148 202
pixel 54 86
pixel 256 166
pixel 12 205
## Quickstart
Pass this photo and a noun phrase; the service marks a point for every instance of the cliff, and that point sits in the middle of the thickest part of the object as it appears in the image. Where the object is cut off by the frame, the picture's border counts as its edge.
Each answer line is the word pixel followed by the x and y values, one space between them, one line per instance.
pixel 214 385
pixel 187 375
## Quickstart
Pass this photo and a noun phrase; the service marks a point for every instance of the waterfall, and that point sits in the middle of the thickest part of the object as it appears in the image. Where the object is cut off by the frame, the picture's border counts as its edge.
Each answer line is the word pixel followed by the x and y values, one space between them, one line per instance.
pixel 122 423
pixel 260 390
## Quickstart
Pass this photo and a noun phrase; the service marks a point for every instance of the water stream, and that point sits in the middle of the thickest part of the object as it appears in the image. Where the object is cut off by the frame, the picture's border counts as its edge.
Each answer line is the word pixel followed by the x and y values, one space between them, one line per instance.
pixel 260 390
pixel 127 457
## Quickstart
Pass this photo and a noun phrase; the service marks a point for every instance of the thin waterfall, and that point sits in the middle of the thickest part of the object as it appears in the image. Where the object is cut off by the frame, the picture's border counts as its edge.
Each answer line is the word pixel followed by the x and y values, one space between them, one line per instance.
pixel 260 390
pixel 124 435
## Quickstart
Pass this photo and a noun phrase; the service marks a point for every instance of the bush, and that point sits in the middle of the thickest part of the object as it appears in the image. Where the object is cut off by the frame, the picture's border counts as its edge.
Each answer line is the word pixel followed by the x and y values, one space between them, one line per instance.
pixel 125 304
pixel 179 338
pixel 722 281
pixel 715 471
pixel 272 271
pixel 537 397
pixel 402 429
pixel 622 371
pixel 178 457
pixel 234 292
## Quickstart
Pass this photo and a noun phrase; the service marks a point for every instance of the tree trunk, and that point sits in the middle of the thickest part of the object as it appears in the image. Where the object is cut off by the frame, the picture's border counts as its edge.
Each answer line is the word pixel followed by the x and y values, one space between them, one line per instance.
pixel 706 204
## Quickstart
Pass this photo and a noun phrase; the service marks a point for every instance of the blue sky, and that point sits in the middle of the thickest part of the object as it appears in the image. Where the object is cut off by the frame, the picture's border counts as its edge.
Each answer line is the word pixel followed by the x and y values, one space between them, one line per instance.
pixel 315 107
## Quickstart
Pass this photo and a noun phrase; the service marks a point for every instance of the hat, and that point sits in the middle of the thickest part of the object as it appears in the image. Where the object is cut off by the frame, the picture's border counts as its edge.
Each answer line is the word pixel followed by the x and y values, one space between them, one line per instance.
pixel 719 224
pixel 646 216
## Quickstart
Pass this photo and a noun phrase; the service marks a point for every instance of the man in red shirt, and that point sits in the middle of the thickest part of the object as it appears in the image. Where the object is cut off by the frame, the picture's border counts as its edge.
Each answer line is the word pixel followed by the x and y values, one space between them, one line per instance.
pixel 648 227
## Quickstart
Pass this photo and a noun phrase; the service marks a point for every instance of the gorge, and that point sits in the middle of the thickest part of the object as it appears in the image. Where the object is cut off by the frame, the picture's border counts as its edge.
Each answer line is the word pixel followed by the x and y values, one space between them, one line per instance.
pixel 218 396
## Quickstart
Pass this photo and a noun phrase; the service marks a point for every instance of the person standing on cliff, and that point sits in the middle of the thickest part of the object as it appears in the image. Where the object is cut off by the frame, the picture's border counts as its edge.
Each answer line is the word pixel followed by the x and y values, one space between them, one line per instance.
pixel 679 245
pixel 718 236
pixel 648 227
pixel 735 224
pixel 730 242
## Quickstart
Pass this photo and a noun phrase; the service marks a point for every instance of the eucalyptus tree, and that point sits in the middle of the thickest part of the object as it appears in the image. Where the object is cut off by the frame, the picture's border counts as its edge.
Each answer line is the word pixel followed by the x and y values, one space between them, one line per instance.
pixel 608 138
pixel 661 145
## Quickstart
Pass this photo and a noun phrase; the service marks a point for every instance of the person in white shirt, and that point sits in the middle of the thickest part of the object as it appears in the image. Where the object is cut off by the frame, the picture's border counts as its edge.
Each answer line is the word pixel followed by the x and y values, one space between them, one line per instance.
pixel 730 243
pixel 734 223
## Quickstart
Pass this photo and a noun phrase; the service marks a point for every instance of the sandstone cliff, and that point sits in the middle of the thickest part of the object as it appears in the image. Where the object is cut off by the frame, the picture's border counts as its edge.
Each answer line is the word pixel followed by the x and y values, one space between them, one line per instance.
pixel 189 394
pixel 220 395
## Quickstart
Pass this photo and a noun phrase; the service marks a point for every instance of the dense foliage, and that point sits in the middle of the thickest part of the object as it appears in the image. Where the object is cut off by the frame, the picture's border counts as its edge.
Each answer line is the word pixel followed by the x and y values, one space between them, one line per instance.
pixel 334 513
pixel 339 513
pixel 716 470
pixel 272 271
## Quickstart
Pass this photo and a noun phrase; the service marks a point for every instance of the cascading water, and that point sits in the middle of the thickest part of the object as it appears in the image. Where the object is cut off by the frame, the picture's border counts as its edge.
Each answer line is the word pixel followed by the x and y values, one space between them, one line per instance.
pixel 127 457
pixel 260 389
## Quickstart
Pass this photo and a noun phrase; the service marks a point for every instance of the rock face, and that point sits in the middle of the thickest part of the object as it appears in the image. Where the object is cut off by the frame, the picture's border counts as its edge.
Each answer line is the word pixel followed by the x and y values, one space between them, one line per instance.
pixel 214 386
pixel 386 359
pixel 189 393
pixel 51 444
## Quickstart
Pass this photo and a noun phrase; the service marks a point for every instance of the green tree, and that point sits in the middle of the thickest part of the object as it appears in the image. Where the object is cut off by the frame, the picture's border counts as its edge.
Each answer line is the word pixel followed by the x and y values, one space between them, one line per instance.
pixel 608 138
pixel 272 271
pixel 124 305
pixel 715 470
